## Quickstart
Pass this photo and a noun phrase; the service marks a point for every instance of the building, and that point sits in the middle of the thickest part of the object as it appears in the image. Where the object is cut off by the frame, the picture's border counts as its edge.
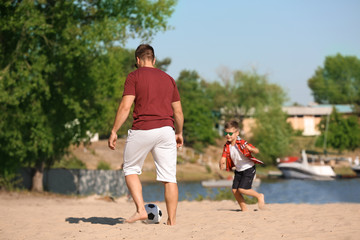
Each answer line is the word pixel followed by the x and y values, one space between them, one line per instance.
pixel 307 118
pixel 302 118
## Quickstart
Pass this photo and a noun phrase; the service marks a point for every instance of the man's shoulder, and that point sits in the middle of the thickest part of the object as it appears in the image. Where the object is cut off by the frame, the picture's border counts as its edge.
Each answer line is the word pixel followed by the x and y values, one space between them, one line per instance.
pixel 151 71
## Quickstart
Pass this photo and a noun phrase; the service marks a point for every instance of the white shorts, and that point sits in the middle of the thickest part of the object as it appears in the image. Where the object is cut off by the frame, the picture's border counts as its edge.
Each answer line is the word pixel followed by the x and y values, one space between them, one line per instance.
pixel 161 143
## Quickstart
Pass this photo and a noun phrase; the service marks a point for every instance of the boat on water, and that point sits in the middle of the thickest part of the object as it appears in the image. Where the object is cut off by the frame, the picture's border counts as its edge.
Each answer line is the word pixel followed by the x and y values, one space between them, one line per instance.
pixel 301 169
pixel 356 167
pixel 226 183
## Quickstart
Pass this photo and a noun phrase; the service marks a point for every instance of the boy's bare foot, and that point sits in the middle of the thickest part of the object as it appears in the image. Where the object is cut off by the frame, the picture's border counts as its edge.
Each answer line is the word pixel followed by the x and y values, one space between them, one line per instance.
pixel 137 216
pixel 261 201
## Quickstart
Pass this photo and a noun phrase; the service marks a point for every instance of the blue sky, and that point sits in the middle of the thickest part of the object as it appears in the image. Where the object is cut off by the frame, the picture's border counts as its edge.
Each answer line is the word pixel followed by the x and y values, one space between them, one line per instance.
pixel 285 39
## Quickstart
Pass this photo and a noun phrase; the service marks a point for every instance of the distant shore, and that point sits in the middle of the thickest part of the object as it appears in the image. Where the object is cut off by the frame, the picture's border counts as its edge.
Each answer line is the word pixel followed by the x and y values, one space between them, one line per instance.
pixel 51 216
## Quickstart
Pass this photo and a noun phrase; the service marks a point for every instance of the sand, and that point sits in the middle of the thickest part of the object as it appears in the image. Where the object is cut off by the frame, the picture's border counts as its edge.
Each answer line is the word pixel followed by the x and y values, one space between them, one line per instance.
pixel 43 217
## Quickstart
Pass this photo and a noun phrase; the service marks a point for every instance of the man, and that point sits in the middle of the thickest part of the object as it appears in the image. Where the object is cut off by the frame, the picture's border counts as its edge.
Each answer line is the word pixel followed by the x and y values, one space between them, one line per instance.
pixel 157 107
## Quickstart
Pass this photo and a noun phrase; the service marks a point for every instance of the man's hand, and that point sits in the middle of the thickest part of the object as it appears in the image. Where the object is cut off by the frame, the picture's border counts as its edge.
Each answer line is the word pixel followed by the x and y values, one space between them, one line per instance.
pixel 179 140
pixel 112 140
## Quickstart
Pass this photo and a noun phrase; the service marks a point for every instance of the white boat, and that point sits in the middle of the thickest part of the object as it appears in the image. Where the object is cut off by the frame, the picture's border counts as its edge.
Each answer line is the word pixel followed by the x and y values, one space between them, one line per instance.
pixel 356 166
pixel 303 170
pixel 356 169
pixel 226 183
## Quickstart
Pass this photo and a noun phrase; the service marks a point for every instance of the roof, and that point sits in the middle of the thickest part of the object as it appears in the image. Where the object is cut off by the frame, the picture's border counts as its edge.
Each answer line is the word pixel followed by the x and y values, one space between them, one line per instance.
pixel 311 110
pixel 317 109
pixel 297 110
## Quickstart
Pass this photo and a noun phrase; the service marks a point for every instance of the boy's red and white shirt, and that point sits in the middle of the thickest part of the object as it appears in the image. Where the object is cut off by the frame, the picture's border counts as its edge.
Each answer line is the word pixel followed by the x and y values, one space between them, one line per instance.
pixel 241 145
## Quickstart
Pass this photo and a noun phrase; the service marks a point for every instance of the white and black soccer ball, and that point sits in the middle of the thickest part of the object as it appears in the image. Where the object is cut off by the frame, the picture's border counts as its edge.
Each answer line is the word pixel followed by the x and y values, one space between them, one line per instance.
pixel 154 213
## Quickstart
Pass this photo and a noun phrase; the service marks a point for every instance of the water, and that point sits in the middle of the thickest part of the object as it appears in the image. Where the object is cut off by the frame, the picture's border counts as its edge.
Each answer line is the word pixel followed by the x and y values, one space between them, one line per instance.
pixel 275 191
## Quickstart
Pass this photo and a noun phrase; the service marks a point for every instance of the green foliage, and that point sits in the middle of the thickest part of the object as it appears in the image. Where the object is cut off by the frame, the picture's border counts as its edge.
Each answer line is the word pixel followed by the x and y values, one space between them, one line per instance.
pixel 338 81
pixel 224 194
pixel 180 160
pixel 343 132
pixel 272 134
pixel 102 165
pixel 198 120
pixel 59 71
pixel 249 91
pixel 250 94
pixel 227 194
pixel 208 168
pixel 9 181
pixel 254 91
pixel 70 163
pixel 217 94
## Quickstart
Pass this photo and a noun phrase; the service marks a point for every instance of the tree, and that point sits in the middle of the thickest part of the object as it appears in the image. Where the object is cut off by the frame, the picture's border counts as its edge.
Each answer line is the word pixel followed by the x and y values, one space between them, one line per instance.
pixel 198 118
pixel 342 133
pixel 57 72
pixel 249 91
pixel 272 134
pixel 338 82
pixel 251 95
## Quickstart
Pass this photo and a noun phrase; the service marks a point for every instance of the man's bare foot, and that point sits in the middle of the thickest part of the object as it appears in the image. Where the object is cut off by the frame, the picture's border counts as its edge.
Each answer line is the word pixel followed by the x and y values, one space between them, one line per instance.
pixel 261 201
pixel 170 222
pixel 137 216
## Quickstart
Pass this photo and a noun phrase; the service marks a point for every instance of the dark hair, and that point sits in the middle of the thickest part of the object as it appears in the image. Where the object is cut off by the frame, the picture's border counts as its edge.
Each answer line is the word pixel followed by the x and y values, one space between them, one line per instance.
pixel 145 51
pixel 232 124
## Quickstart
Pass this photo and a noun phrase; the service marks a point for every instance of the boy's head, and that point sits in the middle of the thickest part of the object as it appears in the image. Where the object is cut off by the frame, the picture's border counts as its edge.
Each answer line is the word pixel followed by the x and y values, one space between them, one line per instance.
pixel 231 130
pixel 144 52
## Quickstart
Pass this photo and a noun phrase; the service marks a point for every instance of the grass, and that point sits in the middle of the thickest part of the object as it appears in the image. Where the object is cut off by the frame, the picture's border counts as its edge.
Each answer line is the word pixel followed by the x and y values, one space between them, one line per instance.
pixel 102 165
pixel 344 171
pixel 224 194
pixel 70 163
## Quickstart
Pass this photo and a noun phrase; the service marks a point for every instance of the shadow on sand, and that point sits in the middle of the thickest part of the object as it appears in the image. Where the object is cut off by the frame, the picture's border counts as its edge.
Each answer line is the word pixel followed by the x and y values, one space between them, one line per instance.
pixel 234 210
pixel 97 220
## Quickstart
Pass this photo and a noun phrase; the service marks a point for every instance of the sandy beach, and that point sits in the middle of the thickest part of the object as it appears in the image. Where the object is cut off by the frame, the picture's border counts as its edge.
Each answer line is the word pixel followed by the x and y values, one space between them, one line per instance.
pixel 43 217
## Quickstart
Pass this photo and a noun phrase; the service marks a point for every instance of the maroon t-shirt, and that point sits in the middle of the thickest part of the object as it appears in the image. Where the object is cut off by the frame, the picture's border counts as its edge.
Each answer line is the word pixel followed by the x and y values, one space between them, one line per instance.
pixel 154 91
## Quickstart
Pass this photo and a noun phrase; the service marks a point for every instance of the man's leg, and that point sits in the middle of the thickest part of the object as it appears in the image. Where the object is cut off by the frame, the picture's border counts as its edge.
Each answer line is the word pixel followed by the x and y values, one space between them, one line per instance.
pixel 134 185
pixel 171 200
pixel 240 199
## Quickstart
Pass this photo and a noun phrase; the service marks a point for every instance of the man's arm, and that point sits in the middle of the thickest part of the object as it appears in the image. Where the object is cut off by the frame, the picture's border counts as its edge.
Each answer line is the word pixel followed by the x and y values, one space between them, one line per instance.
pixel 179 122
pixel 121 116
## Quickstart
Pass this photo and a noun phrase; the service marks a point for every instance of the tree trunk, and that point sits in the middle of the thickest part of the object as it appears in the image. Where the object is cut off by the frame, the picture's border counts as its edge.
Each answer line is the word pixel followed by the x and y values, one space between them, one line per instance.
pixel 37 180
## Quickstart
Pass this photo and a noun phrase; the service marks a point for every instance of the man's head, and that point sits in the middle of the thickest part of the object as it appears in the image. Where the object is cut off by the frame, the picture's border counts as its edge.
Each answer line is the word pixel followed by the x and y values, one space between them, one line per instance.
pixel 144 54
pixel 231 131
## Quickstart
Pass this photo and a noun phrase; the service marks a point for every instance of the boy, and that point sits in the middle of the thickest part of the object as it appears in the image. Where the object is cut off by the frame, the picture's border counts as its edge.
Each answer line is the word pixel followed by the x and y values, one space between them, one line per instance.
pixel 237 154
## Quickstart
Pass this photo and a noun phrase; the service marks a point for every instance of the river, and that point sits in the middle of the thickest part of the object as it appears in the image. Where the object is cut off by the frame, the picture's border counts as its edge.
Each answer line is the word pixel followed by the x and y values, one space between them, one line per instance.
pixel 275 191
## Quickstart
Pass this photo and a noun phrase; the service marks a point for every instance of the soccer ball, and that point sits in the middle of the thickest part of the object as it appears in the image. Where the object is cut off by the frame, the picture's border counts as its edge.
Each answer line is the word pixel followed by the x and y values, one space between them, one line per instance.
pixel 154 213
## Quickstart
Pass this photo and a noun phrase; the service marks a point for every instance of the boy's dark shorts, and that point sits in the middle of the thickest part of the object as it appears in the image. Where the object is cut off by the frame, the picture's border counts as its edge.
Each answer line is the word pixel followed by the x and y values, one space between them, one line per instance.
pixel 244 179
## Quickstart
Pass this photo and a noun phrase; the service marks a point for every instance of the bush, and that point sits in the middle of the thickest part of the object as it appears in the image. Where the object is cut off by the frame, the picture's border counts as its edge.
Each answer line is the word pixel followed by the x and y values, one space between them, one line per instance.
pixel 9 181
pixel 102 165
pixel 71 163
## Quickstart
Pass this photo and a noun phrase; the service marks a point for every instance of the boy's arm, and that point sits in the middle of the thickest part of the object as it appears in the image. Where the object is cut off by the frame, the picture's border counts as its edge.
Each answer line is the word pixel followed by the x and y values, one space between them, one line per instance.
pixel 252 149
pixel 222 163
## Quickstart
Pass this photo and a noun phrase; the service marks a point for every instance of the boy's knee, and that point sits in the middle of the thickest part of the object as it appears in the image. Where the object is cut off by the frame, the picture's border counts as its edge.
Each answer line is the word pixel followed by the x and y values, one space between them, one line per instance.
pixel 241 190
pixel 234 191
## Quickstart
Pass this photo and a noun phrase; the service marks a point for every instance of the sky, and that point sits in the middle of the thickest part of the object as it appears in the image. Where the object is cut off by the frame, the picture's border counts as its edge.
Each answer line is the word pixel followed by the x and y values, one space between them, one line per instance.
pixel 286 40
